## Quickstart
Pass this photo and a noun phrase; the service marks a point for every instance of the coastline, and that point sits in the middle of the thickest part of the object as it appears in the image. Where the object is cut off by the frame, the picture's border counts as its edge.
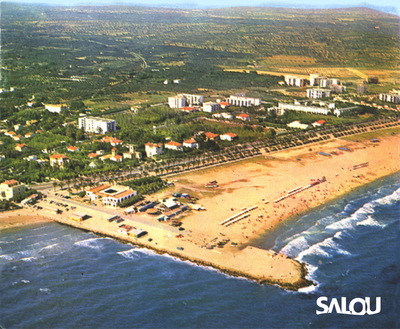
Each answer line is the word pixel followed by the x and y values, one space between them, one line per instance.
pixel 261 177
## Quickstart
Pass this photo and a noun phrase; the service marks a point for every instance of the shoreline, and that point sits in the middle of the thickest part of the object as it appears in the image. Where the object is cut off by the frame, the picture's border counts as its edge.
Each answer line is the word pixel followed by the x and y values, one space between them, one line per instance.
pixel 262 177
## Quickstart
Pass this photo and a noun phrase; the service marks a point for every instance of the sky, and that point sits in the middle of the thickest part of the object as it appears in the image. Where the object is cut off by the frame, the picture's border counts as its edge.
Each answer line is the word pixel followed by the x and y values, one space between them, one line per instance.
pixel 391 6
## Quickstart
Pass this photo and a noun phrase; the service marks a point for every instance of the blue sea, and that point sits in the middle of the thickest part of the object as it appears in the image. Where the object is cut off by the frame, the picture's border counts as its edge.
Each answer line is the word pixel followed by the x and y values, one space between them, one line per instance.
pixel 53 276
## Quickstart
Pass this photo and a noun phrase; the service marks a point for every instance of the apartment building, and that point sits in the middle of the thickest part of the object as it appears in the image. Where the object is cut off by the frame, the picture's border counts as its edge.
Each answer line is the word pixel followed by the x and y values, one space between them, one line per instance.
pixel 97 125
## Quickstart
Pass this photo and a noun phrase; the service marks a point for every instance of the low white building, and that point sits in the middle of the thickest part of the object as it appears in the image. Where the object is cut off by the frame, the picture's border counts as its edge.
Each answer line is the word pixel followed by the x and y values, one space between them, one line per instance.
pixel 211 107
pixel 190 143
pixel 174 146
pixel 303 108
pixel 298 125
pixel 55 108
pixel 97 125
pixel 228 137
pixel 111 194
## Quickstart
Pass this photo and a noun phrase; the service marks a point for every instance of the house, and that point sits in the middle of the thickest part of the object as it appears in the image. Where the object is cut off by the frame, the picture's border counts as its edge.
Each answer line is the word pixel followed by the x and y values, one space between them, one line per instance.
pixel 55 108
pixel 243 116
pixel 117 158
pixel 10 134
pixel 31 158
pixel 21 147
pixel 211 136
pixel 318 123
pixel 10 189
pixel 18 127
pixel 224 105
pixel 111 194
pixel 177 81
pixel 174 146
pixel 92 165
pixel 2 157
pixel 191 143
pixel 93 155
pixel 17 138
pixel 31 122
pixel 58 159
pixel 73 149
pixel 211 107
pixel 298 125
pixel 228 137
pixel 189 109
pixel 153 149
pixel 112 140
pixel 29 135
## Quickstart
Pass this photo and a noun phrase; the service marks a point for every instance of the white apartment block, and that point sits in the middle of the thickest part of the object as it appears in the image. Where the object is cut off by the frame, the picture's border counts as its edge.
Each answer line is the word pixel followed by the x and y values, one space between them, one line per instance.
pixel 303 108
pixel 97 125
pixel 318 93
pixel 193 99
pixel 324 82
pixel 242 100
pixel 390 98
pixel 294 81
pixel 211 107
pixel 176 102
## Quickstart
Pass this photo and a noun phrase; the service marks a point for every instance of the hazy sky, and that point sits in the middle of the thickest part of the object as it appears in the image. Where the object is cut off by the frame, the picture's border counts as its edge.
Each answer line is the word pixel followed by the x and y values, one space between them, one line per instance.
pixel 392 6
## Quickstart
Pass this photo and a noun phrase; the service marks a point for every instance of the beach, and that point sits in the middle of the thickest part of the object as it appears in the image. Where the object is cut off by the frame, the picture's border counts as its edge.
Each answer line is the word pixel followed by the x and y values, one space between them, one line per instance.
pixel 255 183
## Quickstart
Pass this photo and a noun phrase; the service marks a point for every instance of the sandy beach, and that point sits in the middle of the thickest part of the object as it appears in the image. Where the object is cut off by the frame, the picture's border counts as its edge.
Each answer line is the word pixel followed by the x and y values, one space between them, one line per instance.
pixel 249 184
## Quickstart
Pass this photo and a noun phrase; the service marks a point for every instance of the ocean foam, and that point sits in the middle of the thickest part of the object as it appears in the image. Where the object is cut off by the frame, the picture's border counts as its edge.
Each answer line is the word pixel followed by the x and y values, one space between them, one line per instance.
pixel 48 247
pixel 45 290
pixel 295 246
pixel 6 257
pixel 371 222
pixel 92 243
pixel 326 249
pixel 25 281
pixel 28 259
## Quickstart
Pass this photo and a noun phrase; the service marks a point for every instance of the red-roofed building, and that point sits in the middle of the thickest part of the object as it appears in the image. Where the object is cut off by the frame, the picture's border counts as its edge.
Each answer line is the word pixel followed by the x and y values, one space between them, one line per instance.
pixel 29 135
pixel 10 188
pixel 21 147
pixel 93 155
pixel 58 159
pixel 228 137
pixel 224 105
pixel 318 123
pixel 211 136
pixel 243 116
pixel 73 149
pixel 174 146
pixel 10 134
pixel 190 143
pixel 189 109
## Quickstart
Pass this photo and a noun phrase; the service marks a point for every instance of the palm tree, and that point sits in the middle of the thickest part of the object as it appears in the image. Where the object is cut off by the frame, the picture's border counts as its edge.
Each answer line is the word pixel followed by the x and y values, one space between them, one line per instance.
pixel 54 185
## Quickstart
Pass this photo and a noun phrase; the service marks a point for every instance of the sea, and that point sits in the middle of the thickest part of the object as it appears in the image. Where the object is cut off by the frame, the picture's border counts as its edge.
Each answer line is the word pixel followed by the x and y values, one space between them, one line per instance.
pixel 53 276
